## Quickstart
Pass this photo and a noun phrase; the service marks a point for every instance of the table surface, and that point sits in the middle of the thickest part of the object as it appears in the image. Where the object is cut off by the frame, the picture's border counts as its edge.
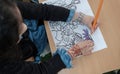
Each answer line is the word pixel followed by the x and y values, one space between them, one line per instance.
pixel 104 60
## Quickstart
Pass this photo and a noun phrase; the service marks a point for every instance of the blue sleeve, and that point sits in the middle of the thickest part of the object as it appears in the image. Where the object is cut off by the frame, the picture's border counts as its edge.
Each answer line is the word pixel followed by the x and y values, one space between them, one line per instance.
pixel 66 58
pixel 71 14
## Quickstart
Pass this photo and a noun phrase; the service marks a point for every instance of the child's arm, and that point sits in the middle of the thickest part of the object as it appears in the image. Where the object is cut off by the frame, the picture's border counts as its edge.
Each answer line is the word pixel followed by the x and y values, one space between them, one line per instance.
pixel 81 48
pixel 43 11
pixel 52 66
pixel 53 13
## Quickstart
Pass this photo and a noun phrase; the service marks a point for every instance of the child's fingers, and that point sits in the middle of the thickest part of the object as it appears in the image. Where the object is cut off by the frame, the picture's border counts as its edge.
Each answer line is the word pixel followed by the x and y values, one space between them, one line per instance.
pixel 87 51
pixel 82 48
pixel 88 47
pixel 96 26
pixel 85 43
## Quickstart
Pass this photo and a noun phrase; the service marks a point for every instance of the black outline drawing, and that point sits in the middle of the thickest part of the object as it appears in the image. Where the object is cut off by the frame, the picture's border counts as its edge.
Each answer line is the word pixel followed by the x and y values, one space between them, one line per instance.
pixel 65 34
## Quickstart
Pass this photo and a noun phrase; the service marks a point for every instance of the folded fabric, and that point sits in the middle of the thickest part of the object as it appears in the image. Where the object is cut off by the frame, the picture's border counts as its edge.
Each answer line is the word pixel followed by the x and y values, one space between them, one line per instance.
pixel 38 36
pixel 66 58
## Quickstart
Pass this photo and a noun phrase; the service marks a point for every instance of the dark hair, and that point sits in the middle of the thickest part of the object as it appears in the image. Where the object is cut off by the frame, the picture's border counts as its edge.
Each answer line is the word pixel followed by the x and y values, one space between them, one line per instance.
pixel 9 25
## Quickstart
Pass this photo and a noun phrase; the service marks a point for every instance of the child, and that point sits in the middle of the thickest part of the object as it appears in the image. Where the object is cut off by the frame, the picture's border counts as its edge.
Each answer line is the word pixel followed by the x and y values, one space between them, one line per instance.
pixel 12 28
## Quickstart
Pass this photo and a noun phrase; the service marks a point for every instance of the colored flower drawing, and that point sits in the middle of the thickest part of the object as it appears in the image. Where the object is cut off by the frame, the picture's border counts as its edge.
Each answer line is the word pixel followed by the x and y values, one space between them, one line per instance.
pixel 86 35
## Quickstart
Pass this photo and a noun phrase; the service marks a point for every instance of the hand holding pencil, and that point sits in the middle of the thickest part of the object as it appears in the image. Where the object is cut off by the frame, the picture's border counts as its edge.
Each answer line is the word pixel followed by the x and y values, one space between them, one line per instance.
pixel 90 21
pixel 95 21
pixel 97 14
pixel 87 20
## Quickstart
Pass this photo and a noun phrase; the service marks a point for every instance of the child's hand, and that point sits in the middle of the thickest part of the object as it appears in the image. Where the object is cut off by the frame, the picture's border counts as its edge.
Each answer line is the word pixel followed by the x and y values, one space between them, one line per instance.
pixel 81 48
pixel 88 20
pixel 85 19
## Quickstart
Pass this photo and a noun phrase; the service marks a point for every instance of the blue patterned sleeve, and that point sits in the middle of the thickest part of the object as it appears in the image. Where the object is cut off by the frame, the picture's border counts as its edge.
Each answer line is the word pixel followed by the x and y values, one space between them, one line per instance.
pixel 66 58
pixel 71 14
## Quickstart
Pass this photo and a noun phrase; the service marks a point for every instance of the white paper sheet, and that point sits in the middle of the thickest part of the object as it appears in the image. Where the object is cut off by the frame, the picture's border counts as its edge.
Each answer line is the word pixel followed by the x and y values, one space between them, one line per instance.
pixel 66 34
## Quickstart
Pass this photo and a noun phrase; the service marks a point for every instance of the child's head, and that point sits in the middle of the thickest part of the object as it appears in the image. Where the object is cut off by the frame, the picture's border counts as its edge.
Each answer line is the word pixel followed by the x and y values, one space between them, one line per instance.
pixel 10 26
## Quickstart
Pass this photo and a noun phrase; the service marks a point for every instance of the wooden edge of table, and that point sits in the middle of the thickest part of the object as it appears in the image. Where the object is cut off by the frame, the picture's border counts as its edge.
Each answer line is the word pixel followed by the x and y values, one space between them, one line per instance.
pixel 49 34
pixel 50 38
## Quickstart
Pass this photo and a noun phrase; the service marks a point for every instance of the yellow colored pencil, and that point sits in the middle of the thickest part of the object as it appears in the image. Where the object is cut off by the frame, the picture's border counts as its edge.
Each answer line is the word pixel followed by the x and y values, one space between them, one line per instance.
pixel 97 14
